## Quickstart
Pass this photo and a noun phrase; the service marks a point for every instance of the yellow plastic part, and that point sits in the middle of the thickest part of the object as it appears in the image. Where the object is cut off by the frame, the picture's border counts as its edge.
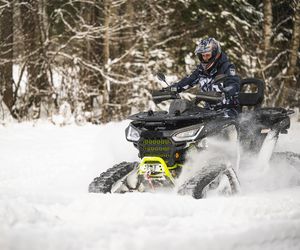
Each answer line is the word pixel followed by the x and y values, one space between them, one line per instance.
pixel 166 169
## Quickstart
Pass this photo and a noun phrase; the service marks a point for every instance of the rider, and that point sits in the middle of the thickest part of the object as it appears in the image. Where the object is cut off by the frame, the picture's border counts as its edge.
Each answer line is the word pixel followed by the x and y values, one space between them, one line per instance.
pixel 213 63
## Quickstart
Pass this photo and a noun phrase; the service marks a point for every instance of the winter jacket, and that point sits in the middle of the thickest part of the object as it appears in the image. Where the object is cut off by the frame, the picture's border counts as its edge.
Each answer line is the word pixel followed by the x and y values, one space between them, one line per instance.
pixel 205 80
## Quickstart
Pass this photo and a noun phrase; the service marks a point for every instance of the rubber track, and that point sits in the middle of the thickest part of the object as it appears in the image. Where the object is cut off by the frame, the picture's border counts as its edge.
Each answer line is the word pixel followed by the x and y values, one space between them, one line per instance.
pixel 196 184
pixel 105 181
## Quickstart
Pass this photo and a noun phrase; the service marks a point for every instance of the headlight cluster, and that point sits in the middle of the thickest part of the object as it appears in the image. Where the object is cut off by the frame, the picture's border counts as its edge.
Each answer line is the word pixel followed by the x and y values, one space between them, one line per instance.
pixel 188 135
pixel 132 134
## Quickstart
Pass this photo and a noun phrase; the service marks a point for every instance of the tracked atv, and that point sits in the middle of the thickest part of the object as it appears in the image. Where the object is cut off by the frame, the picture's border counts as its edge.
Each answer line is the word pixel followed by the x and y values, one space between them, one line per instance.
pixel 163 140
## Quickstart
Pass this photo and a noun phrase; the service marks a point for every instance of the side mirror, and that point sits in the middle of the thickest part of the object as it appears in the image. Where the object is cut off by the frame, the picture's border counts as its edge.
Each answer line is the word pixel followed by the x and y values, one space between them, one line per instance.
pixel 161 76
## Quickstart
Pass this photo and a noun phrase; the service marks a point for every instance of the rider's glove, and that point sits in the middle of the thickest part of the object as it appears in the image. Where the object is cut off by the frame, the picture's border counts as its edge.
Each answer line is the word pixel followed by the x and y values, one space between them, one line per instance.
pixel 229 91
pixel 230 96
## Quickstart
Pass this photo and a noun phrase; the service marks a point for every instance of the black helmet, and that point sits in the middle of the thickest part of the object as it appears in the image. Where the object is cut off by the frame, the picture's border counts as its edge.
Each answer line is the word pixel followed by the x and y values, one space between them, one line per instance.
pixel 206 46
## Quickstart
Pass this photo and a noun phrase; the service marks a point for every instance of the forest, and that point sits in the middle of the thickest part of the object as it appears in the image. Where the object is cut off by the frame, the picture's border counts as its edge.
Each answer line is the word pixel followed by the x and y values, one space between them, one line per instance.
pixel 101 56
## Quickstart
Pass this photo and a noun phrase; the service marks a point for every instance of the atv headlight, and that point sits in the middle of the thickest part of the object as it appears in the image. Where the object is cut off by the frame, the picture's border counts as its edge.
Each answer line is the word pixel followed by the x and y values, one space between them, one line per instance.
pixel 188 135
pixel 132 134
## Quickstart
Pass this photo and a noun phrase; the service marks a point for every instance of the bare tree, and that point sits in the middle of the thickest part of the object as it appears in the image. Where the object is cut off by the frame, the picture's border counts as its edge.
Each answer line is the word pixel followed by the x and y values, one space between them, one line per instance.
pixel 267 30
pixel 289 86
pixel 108 50
pixel 6 52
pixel 34 51
pixel 106 58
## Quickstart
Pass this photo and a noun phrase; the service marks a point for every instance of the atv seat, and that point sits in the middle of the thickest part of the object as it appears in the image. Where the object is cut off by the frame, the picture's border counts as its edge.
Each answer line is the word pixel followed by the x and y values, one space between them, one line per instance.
pixel 251 92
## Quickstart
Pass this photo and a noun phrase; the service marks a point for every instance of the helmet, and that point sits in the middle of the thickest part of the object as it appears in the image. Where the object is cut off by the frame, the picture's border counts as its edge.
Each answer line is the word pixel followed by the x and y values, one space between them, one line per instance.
pixel 205 46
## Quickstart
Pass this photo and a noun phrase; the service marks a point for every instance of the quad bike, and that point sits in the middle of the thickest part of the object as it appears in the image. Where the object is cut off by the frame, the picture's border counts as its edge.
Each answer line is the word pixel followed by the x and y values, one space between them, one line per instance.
pixel 163 139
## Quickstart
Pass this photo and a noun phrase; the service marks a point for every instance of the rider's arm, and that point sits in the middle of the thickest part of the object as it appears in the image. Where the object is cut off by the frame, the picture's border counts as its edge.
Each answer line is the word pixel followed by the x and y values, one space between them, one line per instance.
pixel 232 82
pixel 187 82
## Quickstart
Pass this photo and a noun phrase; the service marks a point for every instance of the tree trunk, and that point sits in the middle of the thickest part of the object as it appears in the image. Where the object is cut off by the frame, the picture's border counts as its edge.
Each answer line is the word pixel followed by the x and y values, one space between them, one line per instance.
pixel 289 92
pixel 131 21
pixel 38 84
pixel 6 52
pixel 86 13
pixel 294 45
pixel 268 19
pixel 90 79
pixel 121 94
pixel 88 50
pixel 106 57
pixel 267 33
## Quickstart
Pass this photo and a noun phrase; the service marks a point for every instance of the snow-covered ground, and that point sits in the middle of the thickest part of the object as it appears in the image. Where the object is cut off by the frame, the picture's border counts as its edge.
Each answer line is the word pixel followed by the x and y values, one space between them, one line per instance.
pixel 44 204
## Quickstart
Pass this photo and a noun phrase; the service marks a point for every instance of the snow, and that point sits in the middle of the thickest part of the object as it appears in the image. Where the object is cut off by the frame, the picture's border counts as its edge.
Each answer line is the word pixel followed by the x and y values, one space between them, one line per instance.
pixel 44 204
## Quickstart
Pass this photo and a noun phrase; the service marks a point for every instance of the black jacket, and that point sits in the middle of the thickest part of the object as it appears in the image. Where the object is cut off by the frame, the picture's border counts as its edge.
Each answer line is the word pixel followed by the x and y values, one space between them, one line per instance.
pixel 205 79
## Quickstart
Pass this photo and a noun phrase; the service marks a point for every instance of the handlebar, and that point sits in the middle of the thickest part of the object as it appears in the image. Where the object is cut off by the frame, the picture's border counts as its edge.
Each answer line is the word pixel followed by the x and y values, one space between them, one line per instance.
pixel 161 95
pixel 211 97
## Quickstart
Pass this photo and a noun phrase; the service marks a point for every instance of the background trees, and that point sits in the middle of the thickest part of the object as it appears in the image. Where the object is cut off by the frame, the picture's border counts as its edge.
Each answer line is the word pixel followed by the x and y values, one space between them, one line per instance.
pixel 6 52
pixel 100 55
